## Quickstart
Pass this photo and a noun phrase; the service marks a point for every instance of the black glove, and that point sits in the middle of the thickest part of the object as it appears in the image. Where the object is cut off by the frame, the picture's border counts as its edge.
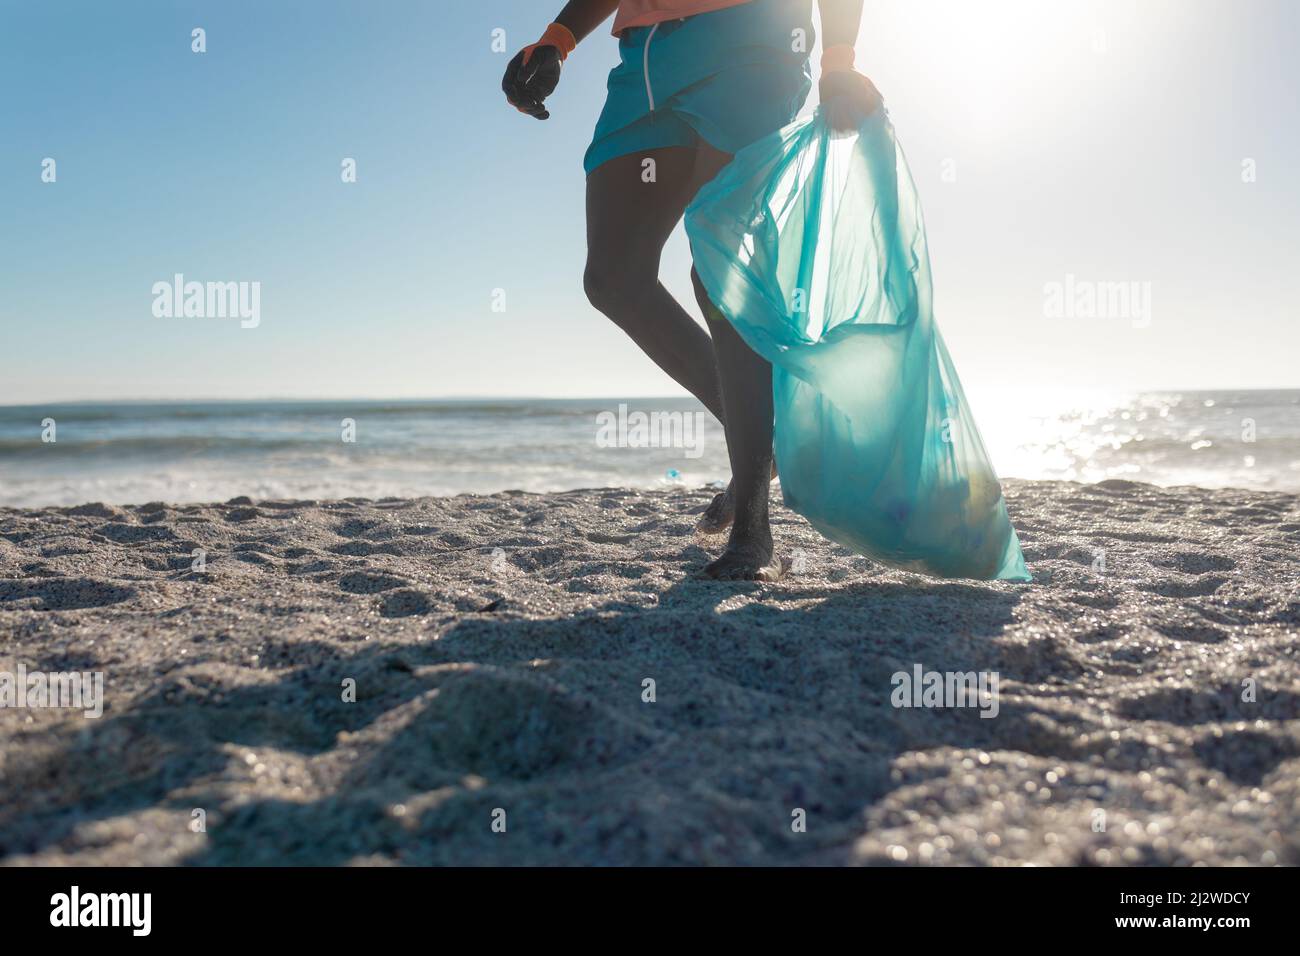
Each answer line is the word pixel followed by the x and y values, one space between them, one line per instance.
pixel 531 77
pixel 849 98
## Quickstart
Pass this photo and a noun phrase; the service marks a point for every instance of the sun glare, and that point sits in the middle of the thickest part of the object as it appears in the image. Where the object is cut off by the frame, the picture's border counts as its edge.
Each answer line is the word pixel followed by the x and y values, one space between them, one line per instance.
pixel 986 63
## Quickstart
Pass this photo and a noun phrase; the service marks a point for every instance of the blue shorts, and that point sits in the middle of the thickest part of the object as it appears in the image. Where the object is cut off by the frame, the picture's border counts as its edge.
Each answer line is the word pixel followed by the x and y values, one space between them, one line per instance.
pixel 728 77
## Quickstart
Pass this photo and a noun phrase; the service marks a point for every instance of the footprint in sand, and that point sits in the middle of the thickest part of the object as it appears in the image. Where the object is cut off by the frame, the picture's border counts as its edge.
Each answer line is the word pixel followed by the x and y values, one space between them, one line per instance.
pixel 1245 757
pixel 364 582
pixel 1194 562
pixel 121 533
pixel 405 603
pixel 64 594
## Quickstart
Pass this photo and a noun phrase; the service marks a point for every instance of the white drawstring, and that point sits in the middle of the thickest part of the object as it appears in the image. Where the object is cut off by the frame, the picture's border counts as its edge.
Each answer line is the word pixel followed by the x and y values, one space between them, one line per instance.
pixel 645 62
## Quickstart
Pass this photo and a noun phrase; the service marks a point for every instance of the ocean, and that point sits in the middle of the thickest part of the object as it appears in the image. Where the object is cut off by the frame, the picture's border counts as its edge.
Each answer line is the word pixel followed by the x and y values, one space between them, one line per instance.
pixel 135 452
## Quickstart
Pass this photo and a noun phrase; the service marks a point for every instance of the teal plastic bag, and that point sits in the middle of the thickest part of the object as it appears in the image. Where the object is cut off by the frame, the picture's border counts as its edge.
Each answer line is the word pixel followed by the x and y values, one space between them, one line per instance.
pixel 811 243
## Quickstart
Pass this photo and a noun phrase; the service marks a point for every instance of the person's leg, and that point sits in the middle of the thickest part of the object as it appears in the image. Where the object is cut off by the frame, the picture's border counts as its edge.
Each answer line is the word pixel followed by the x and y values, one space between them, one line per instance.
pixel 628 222
pixel 746 380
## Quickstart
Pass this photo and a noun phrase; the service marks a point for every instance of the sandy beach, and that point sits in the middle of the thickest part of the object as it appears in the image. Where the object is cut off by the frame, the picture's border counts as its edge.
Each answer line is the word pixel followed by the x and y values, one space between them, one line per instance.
pixel 1148 700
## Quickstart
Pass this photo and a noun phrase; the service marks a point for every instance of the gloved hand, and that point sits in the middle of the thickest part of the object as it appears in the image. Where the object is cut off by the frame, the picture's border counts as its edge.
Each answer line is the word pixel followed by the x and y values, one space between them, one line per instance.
pixel 535 71
pixel 849 97
pixel 529 80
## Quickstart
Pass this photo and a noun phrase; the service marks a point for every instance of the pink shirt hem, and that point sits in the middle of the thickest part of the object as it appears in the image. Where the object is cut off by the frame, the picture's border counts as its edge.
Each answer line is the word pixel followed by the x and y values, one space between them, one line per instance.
pixel 643 13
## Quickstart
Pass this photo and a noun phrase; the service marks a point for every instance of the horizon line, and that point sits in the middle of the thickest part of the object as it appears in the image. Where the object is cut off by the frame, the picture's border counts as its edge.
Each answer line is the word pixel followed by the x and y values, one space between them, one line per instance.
pixel 191 400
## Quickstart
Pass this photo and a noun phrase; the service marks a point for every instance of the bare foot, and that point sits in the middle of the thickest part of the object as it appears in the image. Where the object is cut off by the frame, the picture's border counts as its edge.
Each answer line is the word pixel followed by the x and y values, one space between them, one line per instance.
pixel 718 515
pixel 721 511
pixel 748 562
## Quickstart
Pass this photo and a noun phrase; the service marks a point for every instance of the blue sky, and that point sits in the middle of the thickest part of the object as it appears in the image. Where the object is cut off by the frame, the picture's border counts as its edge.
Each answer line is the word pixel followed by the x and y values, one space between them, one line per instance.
pixel 1101 139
